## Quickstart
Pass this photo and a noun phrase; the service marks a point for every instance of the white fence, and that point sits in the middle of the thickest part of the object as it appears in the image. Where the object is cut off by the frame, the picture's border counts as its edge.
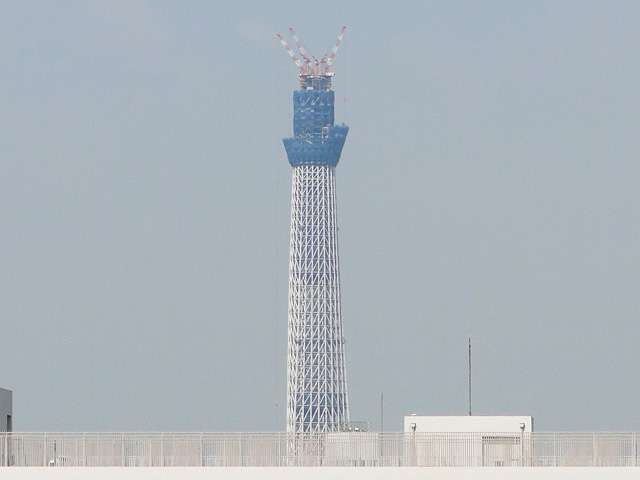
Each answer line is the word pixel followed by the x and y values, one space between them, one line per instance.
pixel 367 449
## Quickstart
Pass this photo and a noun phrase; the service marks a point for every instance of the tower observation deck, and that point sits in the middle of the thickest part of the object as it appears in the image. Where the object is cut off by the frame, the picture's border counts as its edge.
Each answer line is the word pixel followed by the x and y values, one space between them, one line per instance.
pixel 316 375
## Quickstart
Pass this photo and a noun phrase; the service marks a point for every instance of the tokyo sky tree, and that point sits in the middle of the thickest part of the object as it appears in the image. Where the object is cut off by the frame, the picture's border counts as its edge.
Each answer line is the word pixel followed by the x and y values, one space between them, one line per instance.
pixel 316 376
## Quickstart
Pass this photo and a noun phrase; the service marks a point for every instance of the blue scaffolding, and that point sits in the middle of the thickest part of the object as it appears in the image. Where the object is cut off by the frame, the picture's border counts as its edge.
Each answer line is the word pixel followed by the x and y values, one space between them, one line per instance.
pixel 316 140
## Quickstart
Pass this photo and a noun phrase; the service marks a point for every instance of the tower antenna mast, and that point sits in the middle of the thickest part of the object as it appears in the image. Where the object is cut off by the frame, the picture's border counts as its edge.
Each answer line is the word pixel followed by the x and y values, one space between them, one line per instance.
pixel 317 400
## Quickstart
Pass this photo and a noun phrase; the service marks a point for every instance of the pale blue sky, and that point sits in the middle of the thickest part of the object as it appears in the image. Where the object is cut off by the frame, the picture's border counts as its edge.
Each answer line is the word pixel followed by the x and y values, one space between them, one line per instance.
pixel 488 186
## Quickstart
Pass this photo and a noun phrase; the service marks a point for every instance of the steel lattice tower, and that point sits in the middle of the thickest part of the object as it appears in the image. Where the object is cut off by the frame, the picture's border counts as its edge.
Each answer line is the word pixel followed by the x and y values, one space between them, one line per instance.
pixel 316 376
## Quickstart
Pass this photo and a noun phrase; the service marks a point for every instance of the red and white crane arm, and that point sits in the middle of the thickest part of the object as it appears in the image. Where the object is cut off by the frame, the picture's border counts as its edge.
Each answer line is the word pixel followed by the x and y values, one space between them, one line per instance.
pixel 335 47
pixel 320 67
pixel 290 52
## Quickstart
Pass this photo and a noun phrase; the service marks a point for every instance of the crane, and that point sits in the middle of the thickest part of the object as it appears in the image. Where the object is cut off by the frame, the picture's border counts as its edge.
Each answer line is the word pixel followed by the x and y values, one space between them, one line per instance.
pixel 307 60
pixel 303 68
pixel 327 62
pixel 319 68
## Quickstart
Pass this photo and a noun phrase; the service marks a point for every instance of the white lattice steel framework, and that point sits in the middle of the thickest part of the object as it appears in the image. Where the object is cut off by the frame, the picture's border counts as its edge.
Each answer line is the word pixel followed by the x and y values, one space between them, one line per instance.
pixel 316 377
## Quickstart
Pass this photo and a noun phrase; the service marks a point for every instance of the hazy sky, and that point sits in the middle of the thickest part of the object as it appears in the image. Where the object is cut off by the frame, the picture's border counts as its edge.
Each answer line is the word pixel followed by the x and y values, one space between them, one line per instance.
pixel 489 187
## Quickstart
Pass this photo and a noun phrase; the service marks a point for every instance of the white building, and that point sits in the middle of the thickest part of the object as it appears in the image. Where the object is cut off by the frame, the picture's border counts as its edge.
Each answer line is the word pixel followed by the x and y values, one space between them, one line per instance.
pixel 468 423
pixel 471 441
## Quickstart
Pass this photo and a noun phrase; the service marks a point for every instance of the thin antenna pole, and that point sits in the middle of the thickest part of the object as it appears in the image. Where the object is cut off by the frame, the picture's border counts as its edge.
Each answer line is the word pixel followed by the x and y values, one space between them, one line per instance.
pixel 381 412
pixel 469 376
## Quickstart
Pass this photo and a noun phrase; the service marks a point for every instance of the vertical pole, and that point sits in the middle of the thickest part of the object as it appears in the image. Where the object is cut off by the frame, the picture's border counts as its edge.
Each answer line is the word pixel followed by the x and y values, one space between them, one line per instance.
pixel 381 452
pixel 469 376
pixel 382 412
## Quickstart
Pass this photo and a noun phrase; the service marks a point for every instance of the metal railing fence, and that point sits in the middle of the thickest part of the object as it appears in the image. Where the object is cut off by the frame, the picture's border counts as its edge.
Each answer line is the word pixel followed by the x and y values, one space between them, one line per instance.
pixel 331 449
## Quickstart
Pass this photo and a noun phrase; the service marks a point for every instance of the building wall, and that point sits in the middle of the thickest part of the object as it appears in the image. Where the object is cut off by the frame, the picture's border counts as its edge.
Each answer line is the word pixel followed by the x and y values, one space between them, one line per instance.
pixel 6 409
pixel 467 423
pixel 319 473
pixel 473 441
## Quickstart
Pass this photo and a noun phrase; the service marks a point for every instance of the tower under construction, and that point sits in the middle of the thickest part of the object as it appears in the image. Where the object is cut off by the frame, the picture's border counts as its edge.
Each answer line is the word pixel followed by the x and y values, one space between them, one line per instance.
pixel 316 375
